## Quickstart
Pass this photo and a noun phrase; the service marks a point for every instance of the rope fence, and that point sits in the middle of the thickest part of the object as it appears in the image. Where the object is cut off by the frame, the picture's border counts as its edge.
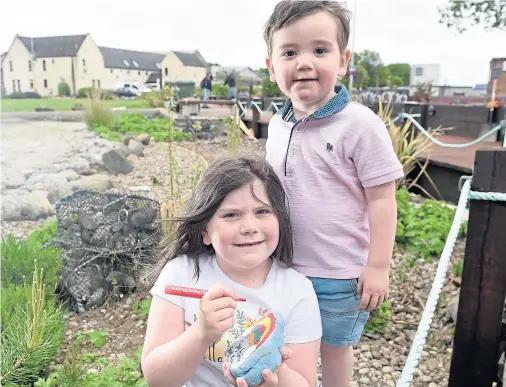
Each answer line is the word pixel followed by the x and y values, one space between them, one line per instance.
pixel 428 313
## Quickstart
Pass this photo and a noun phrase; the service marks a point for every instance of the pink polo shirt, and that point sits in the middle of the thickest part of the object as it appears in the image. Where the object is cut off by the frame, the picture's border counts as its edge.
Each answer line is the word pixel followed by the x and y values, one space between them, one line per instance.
pixel 324 163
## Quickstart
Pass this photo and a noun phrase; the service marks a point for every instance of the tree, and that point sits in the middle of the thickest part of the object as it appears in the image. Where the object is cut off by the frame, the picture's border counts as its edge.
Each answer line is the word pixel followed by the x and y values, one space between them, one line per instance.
pixel 400 73
pixel 360 80
pixel 269 89
pixel 464 14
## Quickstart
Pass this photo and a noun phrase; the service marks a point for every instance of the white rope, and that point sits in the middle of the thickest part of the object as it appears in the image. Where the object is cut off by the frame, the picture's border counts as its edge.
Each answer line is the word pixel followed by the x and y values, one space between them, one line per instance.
pixel 492 196
pixel 430 307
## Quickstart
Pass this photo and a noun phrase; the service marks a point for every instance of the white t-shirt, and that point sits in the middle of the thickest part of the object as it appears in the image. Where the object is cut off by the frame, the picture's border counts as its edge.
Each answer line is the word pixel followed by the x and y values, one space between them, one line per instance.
pixel 285 291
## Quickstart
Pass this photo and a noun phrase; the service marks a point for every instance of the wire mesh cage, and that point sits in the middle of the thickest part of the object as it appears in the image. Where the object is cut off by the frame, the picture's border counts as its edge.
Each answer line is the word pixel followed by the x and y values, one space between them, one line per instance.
pixel 106 240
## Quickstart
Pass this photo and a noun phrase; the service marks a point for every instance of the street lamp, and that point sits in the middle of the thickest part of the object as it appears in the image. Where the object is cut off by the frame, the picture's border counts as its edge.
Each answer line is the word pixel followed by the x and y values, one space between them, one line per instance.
pixel 352 62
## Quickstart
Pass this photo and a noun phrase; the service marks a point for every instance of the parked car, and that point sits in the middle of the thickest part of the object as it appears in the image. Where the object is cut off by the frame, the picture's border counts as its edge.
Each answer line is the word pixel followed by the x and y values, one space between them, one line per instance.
pixel 131 89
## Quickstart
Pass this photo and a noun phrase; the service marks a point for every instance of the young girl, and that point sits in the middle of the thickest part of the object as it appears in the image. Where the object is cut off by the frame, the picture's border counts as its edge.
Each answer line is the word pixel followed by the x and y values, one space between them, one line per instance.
pixel 235 241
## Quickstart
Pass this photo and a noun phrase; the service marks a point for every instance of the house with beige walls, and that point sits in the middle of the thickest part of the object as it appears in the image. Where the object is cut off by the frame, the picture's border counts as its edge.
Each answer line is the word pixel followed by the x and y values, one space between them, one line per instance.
pixel 184 66
pixel 40 64
pixel 122 66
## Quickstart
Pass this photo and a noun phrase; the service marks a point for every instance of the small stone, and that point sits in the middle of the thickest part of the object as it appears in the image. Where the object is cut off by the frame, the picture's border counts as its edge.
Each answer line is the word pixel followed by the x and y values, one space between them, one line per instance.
pixel 73 323
pixel 387 370
pixel 390 383
pixel 121 356
pixel 144 138
pixel 364 380
pixel 111 318
pixel 433 385
pixel 139 324
pixel 354 384
pixel 426 379
pixel 103 311
pixel 365 348
pixel 363 371
pixel 92 371
pixel 136 147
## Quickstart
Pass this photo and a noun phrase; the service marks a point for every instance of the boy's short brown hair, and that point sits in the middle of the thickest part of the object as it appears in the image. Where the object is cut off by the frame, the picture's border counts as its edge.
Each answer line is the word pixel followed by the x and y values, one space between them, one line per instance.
pixel 287 11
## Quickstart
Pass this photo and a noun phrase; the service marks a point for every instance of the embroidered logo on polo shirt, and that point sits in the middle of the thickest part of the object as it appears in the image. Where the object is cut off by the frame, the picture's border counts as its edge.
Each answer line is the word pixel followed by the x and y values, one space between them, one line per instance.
pixel 330 147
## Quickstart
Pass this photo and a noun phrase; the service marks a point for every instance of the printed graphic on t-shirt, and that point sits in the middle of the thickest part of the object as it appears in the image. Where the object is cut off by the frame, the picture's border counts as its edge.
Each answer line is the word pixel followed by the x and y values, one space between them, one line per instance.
pixel 216 352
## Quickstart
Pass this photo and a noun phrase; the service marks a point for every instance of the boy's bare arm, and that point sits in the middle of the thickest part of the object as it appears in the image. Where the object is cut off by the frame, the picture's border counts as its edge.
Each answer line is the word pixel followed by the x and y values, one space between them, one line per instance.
pixel 374 282
pixel 382 207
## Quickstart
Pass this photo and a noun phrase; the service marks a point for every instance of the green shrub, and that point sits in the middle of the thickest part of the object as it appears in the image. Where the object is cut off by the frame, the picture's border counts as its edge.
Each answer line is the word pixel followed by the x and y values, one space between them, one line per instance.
pixel 17 261
pixel 219 90
pixel 157 128
pixel 107 133
pixel 422 230
pixel 379 318
pixel 63 89
pixel 31 338
pixel 83 92
pixel 24 95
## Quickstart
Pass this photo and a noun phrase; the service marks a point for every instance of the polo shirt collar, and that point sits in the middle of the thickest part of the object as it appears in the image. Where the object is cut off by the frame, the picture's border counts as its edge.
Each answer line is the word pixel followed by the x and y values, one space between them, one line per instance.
pixel 337 103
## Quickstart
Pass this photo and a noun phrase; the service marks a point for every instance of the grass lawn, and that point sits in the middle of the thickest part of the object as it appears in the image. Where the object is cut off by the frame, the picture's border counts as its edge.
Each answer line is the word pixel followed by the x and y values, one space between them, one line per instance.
pixel 28 105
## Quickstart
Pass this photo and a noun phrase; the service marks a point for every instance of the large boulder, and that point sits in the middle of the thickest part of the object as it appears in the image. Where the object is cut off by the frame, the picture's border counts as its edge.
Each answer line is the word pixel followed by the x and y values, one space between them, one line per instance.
pixel 99 183
pixel 116 162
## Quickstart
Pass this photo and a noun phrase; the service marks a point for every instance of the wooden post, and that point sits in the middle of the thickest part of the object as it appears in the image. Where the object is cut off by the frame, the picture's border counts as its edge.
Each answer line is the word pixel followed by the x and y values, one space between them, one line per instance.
pixel 482 294
pixel 254 121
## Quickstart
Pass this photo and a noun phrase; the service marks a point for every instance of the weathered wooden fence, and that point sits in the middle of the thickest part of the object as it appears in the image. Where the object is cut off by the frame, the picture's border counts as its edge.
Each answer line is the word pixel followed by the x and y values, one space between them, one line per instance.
pixel 480 333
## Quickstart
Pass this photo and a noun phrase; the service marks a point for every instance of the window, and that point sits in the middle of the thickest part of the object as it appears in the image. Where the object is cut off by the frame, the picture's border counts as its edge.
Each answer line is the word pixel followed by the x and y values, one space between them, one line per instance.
pixel 419 71
pixel 13 86
pixel 135 63
pixel 19 85
pixel 29 65
pixel 44 65
pixel 166 72
pixel 45 83
pixel 148 74
pixel 138 73
pixel 84 62
pixel 111 71
pixel 52 61
pixel 158 66
pixel 31 83
pixel 93 83
pixel 10 65
pixel 126 63
pixel 98 83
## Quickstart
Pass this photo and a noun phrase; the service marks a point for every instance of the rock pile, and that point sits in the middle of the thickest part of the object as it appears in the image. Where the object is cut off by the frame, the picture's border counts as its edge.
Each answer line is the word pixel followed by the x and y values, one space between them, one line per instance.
pixel 32 195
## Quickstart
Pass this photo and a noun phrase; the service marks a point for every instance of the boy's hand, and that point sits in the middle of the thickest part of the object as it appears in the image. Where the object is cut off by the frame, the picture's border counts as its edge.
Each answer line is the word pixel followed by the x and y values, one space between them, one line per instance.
pixel 270 378
pixel 373 287
pixel 217 313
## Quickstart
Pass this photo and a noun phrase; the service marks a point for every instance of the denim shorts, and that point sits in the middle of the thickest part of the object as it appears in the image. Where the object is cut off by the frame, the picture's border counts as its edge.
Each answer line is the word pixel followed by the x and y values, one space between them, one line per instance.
pixel 342 322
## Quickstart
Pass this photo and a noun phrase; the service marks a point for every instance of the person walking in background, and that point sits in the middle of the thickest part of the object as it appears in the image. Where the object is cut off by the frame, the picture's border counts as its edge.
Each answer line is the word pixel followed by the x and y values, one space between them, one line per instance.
pixel 206 85
pixel 232 89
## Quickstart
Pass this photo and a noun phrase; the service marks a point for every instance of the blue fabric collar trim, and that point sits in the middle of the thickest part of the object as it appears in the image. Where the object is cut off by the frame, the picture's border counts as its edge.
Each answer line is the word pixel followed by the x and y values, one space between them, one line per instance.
pixel 337 103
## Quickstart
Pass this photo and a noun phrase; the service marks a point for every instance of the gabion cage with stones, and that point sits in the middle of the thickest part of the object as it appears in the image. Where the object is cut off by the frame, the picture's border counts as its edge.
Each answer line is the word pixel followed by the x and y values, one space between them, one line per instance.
pixel 106 240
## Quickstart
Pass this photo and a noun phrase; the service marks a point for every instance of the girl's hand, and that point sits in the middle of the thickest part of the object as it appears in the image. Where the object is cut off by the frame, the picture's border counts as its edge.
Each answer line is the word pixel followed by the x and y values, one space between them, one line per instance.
pixel 270 378
pixel 217 313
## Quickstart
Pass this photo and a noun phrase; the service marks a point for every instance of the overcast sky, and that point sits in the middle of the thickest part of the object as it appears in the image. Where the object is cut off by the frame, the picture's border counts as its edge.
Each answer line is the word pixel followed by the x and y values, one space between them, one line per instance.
pixel 229 32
